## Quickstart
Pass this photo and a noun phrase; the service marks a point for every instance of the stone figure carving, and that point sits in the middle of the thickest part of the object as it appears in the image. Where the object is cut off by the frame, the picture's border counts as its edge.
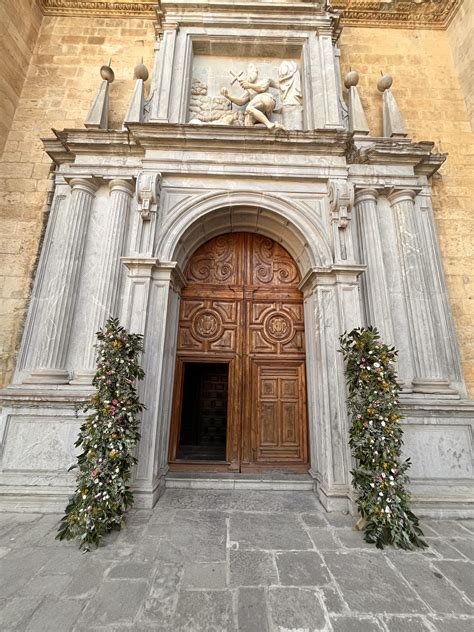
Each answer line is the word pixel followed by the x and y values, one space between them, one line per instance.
pixel 259 100
pixel 290 83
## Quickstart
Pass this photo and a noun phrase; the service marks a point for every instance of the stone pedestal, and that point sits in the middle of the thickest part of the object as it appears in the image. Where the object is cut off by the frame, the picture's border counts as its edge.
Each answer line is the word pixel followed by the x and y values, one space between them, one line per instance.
pixel 52 329
pixel 105 302
pixel 429 369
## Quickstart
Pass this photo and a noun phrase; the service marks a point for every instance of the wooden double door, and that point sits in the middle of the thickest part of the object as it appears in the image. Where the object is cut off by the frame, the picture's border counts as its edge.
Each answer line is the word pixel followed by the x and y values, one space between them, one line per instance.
pixel 240 396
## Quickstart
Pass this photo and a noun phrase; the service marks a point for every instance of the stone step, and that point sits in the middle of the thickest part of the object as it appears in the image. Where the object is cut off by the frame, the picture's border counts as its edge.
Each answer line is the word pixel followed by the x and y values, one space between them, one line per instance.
pixel 272 481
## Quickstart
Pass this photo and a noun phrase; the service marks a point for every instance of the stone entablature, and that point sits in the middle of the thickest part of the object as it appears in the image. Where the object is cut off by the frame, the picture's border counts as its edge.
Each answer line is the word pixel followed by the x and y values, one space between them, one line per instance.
pixel 429 14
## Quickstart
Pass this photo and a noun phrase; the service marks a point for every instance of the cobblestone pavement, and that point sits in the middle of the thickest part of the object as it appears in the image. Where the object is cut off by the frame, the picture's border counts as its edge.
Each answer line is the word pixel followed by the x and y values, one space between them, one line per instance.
pixel 218 561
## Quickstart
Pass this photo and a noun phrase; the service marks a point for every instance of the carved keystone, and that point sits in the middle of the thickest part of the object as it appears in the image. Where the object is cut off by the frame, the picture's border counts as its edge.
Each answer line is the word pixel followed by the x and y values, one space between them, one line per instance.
pixel 341 202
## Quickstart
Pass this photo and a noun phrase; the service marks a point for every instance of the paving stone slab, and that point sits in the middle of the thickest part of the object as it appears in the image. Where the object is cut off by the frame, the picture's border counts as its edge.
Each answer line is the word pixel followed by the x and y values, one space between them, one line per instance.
pixel 431 585
pixel 449 624
pixel 252 610
pixel 159 605
pixel 332 600
pixel 43 585
pixel 296 609
pixel 449 528
pixel 315 519
pixel 465 546
pixel 55 614
pixel 370 585
pixel 15 613
pixel 324 539
pixel 252 568
pixel 355 624
pixel 351 539
pixel 204 611
pixel 301 568
pixel 63 560
pixel 130 570
pixel 87 578
pixel 269 531
pixel 116 602
pixel 444 549
pixel 461 574
pixel 200 537
pixel 18 567
pixel 210 576
pixel 407 624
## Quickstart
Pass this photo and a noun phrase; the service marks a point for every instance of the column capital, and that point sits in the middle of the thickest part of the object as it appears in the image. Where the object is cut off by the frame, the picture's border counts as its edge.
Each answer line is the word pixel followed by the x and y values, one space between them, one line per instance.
pixel 86 183
pixel 396 196
pixel 366 194
pixel 124 184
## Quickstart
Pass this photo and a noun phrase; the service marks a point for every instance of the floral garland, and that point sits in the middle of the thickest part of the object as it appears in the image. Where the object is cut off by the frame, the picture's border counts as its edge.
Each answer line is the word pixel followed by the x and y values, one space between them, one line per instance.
pixel 107 438
pixel 379 477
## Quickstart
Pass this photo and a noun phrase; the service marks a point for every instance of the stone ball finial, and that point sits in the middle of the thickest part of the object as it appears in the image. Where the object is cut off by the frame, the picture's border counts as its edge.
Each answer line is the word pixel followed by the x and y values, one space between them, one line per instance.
pixel 107 73
pixel 141 72
pixel 351 79
pixel 384 83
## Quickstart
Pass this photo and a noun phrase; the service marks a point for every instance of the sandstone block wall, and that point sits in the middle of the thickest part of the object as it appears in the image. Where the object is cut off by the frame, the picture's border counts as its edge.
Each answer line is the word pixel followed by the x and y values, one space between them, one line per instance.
pixel 20 23
pixel 63 77
pixel 461 37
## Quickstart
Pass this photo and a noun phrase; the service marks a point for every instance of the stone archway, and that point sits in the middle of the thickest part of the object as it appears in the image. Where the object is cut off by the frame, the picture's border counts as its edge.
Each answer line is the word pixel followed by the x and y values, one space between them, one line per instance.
pixel 331 305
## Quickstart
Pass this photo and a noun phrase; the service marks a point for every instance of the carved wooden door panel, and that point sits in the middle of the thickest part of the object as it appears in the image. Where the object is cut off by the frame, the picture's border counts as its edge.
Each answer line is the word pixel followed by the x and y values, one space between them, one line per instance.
pixel 242 307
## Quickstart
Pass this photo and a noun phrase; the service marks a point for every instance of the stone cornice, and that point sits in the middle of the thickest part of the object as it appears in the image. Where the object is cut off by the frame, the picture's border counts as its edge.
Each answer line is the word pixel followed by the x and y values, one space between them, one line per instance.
pixel 412 14
pixel 400 151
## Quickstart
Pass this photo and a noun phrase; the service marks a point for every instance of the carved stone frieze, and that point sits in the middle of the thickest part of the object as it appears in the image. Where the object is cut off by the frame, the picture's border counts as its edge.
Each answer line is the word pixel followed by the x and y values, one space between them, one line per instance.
pixel 428 14
pixel 432 14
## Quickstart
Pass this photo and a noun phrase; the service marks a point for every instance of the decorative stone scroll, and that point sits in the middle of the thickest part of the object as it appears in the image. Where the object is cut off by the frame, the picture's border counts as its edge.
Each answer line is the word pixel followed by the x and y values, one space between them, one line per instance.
pixel 148 193
pixel 341 202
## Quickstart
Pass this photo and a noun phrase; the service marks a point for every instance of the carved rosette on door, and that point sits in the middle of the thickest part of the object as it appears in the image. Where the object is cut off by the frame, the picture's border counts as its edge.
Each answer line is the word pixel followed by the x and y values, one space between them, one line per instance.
pixel 241 310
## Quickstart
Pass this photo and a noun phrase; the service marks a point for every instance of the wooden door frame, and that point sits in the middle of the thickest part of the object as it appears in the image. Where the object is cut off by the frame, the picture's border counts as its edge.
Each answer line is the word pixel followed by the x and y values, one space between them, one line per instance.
pixel 234 430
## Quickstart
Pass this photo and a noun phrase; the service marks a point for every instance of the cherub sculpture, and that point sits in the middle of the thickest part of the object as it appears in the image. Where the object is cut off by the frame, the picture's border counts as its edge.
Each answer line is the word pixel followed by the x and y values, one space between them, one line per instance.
pixel 260 102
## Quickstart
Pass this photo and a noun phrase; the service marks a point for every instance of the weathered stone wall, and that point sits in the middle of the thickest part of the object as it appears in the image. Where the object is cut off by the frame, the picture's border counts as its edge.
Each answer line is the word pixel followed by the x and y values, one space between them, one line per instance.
pixel 60 85
pixel 19 27
pixel 461 37
pixel 428 92
pixel 63 77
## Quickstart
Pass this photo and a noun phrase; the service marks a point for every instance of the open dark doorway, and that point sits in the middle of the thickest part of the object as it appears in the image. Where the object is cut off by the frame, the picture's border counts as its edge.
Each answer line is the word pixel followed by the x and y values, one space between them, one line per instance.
pixel 203 434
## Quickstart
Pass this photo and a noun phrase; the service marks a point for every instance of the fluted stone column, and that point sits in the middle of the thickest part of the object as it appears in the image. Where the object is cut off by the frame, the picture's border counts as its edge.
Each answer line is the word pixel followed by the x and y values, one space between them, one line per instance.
pixel 429 368
pixel 105 302
pixel 55 325
pixel 377 300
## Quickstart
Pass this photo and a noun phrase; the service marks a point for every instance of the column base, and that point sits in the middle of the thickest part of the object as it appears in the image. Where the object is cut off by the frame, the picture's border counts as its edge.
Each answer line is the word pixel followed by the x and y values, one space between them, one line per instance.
pixel 48 376
pixel 432 386
pixel 84 376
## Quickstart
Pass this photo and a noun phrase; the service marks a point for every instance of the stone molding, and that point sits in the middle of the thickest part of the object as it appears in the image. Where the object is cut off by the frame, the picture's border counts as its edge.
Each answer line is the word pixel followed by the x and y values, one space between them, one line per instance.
pixel 408 14
pixel 411 14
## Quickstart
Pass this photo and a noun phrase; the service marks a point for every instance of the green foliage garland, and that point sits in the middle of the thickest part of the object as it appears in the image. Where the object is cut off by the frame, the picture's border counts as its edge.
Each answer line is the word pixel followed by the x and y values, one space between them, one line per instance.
pixel 107 438
pixel 376 440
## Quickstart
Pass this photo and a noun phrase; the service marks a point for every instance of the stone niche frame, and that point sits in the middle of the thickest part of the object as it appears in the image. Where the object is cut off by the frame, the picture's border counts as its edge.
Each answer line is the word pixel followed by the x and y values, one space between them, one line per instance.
pixel 314 51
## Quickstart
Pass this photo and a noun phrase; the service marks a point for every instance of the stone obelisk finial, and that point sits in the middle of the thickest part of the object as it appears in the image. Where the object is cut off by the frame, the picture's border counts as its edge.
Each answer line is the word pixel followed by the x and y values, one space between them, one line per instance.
pixel 393 124
pixel 136 108
pixel 98 116
pixel 357 120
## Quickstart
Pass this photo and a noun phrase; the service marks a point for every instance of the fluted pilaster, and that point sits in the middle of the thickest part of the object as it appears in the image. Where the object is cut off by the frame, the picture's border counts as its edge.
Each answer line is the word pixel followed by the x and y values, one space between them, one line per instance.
pixel 50 361
pixel 105 301
pixel 377 300
pixel 429 368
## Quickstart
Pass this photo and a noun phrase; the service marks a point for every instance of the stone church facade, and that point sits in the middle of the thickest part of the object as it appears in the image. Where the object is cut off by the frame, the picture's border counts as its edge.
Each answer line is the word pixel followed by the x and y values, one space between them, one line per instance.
pixel 249 202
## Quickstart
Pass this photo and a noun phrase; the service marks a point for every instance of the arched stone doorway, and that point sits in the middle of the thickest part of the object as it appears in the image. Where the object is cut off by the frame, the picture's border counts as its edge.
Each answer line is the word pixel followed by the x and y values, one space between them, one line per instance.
pixel 240 391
